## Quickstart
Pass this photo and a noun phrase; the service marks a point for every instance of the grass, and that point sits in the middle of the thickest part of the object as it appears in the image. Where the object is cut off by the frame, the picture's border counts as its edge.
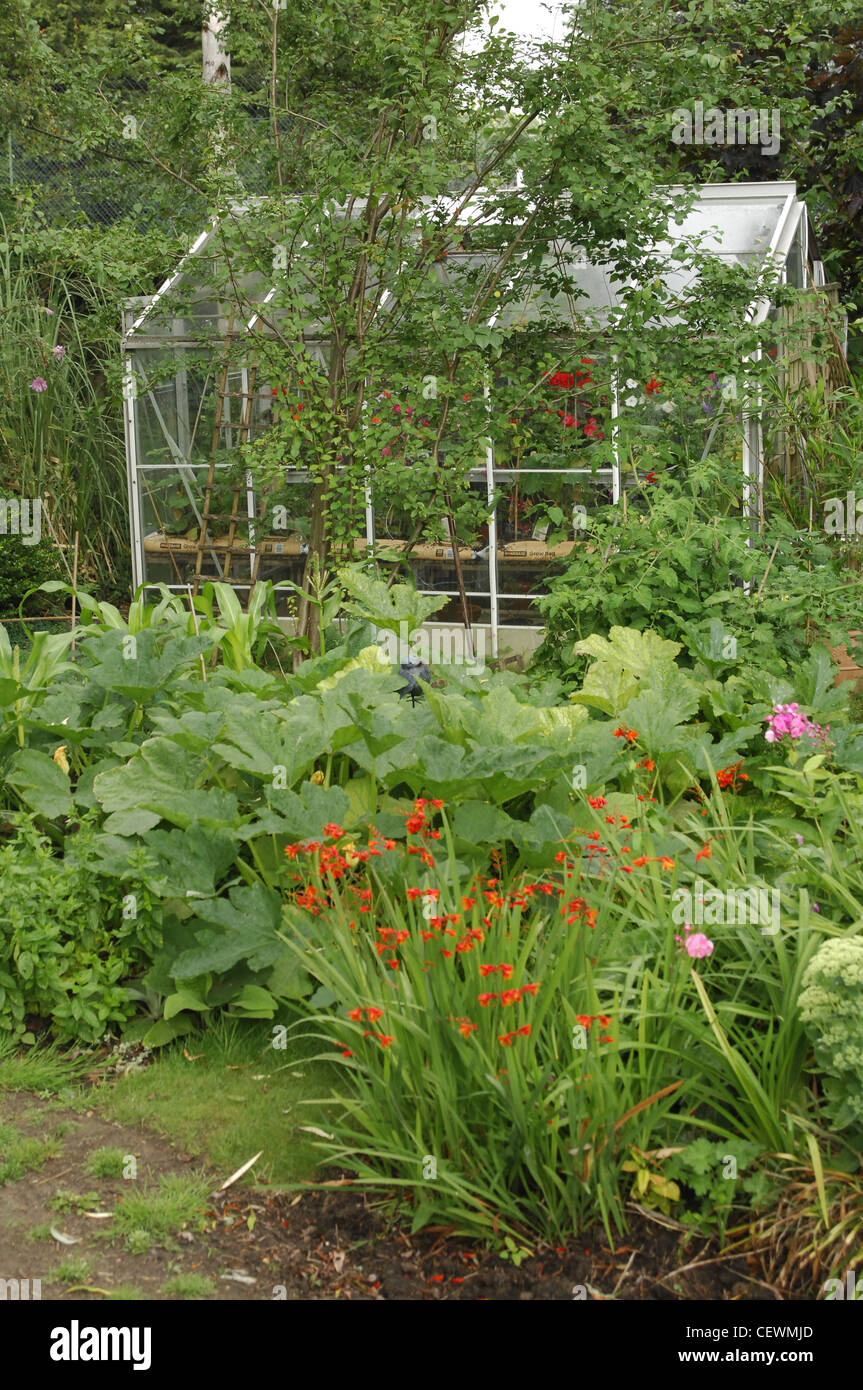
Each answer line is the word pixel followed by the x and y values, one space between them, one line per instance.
pixel 69 1271
pixel 106 1163
pixel 42 1232
pixel 157 1214
pixel 189 1286
pixel 239 1095
pixel 44 1070
pixel 20 1154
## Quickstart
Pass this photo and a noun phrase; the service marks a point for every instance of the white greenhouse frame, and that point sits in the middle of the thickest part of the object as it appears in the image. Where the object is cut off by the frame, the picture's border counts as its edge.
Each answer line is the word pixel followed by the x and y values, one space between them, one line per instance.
pixel 745 222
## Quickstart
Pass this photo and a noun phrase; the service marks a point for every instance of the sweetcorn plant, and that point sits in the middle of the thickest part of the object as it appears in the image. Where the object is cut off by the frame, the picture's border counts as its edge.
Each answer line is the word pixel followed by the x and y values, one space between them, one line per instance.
pixel 831 1007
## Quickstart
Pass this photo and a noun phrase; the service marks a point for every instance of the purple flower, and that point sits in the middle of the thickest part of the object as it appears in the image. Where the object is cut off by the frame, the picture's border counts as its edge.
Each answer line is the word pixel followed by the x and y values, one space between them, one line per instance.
pixel 58 352
pixel 48 311
pixel 815 907
pixel 38 384
pixel 786 719
pixel 799 839
pixel 697 946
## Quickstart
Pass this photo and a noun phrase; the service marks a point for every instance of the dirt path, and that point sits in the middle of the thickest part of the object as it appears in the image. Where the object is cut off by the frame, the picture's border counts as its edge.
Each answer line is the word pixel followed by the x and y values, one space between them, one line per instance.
pixel 25 1209
pixel 328 1244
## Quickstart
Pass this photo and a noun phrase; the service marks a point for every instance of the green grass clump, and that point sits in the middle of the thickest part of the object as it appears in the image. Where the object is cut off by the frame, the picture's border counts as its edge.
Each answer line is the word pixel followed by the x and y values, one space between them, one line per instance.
pixel 189 1286
pixel 156 1215
pixel 106 1163
pixel 42 1069
pixel 20 1154
pixel 69 1271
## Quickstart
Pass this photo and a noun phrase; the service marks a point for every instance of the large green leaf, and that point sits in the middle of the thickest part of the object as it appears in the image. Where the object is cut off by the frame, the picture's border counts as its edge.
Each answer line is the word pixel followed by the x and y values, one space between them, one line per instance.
pixel 137 667
pixel 637 652
pixel 247 922
pixel 172 863
pixel 40 783
pixel 388 607
pixel 160 783
pixel 481 823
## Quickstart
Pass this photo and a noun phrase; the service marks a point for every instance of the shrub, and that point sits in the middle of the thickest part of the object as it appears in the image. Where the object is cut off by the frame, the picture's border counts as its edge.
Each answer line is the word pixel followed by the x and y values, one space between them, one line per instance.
pixel 23 567
pixel 64 946
pixel 831 1007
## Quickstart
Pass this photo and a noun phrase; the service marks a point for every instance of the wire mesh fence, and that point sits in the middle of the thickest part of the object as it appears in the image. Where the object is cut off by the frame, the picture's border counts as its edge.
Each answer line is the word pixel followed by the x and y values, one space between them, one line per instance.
pixel 75 174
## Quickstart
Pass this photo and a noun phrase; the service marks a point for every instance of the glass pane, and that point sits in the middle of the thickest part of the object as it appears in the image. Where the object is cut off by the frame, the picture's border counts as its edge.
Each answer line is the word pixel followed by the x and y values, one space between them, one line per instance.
pixel 423 541
pixel 542 519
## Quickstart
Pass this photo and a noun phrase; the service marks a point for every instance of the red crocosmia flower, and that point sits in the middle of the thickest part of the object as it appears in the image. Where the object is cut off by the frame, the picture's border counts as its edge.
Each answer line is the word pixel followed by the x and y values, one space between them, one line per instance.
pixel 652 386
pixel 438 805
pixel 561 856
pixel 334 831
pixel 465 1027
pixel 704 853
pixel 485 999
pixel 666 863
pixel 606 1039
pixel 505 1039
pixel 413 893
pixel 650 477
pixel 596 802
pixel 394 964
pixel 384 1040
pixel 584 1019
pixel 640 862
pixel 414 824
pixel 468 903
pixel 523 1031
pixel 604 1020
pixel 510 996
pixel 446 953
pixel 531 988
pixel 376 419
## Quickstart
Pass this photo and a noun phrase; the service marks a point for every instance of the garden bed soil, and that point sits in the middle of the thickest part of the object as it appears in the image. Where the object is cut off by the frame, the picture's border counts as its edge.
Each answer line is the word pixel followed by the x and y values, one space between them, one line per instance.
pixel 330 1242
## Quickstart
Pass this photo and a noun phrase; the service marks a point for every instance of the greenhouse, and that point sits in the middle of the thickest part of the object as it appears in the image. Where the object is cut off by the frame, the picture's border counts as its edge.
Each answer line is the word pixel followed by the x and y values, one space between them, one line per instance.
pixel 194 399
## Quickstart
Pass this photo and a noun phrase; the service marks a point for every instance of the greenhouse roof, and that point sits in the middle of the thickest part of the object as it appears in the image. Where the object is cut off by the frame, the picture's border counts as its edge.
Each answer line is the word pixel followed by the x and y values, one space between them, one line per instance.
pixel 740 223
